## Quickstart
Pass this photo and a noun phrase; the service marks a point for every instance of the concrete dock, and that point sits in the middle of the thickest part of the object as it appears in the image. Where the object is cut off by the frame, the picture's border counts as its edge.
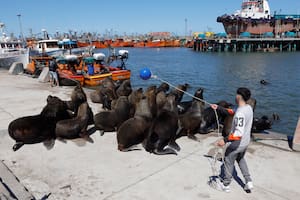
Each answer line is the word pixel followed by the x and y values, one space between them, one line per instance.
pixel 81 170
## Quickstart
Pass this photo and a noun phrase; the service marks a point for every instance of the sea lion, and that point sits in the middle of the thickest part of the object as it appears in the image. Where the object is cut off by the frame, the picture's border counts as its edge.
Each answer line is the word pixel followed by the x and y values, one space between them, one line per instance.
pixel 111 120
pixel 134 130
pixel 104 96
pixel 38 128
pixel 261 124
pixel 264 82
pixel 105 93
pixel 78 97
pixel 77 126
pixel 163 87
pixel 191 120
pixel 179 92
pixel 124 89
pixel 209 120
pixel 133 98
pixel 163 129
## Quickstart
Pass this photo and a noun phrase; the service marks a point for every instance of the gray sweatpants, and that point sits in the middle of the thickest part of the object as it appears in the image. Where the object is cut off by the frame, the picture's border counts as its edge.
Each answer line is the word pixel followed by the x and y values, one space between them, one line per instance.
pixel 233 154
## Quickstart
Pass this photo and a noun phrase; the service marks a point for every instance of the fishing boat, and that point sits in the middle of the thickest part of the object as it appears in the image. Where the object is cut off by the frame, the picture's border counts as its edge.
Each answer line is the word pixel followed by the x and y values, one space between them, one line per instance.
pixel 93 76
pixel 95 69
pixel 156 43
pixel 49 47
pixel 36 65
pixel 69 70
pixel 12 50
pixel 120 42
pixel 255 17
pixel 139 43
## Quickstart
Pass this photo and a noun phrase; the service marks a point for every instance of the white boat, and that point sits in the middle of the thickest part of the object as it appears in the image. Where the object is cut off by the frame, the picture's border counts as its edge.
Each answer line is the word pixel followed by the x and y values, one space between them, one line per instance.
pixel 47 47
pixel 54 47
pixel 12 50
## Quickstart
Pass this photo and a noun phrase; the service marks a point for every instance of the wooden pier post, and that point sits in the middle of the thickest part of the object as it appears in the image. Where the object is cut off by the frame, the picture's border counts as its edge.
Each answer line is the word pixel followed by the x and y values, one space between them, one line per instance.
pixel 244 48
pixel 226 48
pixel 280 47
pixel 234 47
pixel 295 47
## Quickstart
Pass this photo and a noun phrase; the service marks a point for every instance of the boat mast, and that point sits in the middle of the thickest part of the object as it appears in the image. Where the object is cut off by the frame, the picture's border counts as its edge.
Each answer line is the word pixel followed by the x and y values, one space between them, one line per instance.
pixel 21 29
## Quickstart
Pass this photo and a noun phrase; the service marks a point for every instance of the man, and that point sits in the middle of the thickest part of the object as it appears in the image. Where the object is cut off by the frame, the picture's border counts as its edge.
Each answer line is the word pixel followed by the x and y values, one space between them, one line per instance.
pixel 239 139
pixel 53 74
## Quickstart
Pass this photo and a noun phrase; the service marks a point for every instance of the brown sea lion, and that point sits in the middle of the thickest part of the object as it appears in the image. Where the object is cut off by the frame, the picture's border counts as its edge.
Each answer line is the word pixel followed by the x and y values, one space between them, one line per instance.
pixel 38 128
pixel 163 87
pixel 133 98
pixel 134 130
pixel 191 120
pixel 124 89
pixel 110 120
pixel 179 92
pixel 164 129
pixel 104 96
pixel 77 126
pixel 209 120
pixel 78 96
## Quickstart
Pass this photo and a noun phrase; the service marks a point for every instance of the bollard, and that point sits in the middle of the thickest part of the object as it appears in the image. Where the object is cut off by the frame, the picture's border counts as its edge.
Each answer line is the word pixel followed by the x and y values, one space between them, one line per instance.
pixel 44 76
pixel 16 68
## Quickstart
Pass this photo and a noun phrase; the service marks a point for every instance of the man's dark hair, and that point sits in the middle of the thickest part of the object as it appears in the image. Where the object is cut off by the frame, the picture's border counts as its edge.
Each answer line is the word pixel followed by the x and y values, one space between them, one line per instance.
pixel 244 92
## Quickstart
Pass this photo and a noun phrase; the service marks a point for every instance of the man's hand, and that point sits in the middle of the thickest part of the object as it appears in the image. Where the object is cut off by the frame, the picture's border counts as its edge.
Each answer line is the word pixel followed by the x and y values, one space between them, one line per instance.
pixel 214 106
pixel 220 143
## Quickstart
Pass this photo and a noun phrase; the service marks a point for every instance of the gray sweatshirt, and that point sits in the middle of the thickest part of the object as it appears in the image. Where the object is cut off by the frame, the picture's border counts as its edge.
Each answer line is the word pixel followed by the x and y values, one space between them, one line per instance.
pixel 241 125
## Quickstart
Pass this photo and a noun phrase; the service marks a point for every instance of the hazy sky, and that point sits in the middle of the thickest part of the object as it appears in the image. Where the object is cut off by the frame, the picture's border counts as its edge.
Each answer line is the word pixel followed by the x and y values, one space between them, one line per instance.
pixel 130 16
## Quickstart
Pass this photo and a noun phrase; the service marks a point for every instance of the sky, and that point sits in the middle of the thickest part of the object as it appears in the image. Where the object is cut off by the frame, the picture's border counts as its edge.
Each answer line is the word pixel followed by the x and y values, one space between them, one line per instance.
pixel 123 16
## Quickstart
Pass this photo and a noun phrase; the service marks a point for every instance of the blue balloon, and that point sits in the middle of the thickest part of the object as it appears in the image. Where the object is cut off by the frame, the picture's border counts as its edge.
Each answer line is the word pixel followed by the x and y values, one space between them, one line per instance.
pixel 145 73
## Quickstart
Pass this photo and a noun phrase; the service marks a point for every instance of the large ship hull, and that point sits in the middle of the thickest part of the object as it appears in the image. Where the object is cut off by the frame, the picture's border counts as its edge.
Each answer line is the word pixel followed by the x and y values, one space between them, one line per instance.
pixel 236 26
pixel 6 60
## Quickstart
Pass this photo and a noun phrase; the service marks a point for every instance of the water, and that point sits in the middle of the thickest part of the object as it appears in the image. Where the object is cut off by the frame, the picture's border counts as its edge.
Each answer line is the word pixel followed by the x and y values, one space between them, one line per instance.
pixel 220 74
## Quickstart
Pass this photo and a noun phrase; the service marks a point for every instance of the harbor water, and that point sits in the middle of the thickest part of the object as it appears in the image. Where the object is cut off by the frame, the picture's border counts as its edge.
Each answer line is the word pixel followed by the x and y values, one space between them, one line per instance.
pixel 220 74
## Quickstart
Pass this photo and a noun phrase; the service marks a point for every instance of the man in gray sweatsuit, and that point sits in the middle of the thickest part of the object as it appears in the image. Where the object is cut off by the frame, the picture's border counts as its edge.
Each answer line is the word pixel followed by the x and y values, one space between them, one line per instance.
pixel 239 139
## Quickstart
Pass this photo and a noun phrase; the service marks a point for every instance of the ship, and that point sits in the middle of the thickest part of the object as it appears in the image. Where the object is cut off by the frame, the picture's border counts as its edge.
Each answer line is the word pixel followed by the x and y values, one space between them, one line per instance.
pixel 256 19
pixel 12 50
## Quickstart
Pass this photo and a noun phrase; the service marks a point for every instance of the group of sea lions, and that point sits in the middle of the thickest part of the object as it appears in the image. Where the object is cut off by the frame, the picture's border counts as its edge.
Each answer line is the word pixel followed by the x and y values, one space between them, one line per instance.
pixel 155 118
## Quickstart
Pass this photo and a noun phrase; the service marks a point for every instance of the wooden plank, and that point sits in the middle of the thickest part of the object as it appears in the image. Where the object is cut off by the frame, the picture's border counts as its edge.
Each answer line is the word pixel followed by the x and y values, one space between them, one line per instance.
pixel 296 141
pixel 12 183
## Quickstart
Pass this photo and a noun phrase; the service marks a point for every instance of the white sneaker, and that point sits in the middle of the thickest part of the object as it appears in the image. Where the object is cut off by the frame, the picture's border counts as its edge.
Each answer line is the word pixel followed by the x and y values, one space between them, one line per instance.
pixel 225 188
pixel 248 186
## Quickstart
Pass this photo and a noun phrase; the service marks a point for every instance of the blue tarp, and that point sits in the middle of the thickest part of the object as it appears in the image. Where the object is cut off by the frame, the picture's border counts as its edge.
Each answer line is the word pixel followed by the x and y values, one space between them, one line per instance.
pixel 221 35
pixel 202 35
pixel 245 34
pixel 268 34
pixel 89 60
pixel 67 42
pixel 290 34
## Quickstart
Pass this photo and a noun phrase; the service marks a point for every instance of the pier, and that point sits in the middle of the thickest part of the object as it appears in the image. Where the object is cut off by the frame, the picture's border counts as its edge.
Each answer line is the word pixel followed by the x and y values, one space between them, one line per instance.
pixel 80 170
pixel 247 44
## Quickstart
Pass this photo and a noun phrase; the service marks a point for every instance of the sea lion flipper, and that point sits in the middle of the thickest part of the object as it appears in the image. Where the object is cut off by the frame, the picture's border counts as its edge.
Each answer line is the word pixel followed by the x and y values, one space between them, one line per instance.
pixel 193 137
pixel 17 146
pixel 87 137
pixel 165 151
pixel 174 145
pixel 49 144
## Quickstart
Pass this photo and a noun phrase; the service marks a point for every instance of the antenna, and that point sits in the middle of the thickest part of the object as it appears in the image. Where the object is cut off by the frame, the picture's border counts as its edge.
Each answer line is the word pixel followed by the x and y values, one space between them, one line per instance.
pixel 185 21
